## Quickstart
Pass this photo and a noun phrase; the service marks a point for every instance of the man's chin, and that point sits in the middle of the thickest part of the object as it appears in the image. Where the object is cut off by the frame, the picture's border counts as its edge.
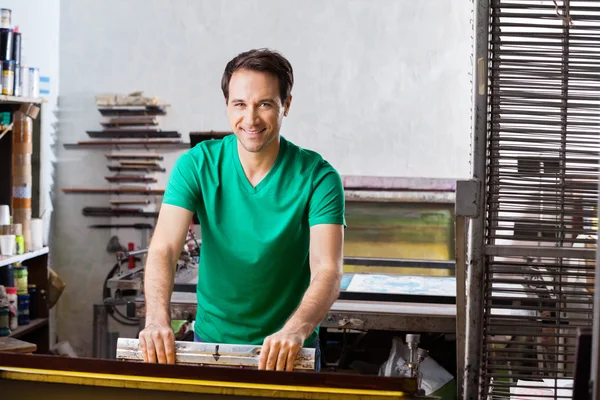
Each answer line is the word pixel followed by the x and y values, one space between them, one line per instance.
pixel 252 146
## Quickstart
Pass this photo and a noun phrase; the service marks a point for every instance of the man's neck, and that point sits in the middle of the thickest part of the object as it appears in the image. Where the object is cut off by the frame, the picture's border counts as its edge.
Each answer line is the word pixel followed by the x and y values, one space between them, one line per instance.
pixel 257 165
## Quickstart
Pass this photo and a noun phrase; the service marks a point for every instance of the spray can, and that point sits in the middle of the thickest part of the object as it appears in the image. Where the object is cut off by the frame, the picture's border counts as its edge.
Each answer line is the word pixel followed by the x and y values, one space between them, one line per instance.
pixel 8 77
pixel 6 44
pixel 23 81
pixel 17 85
pixel 34 82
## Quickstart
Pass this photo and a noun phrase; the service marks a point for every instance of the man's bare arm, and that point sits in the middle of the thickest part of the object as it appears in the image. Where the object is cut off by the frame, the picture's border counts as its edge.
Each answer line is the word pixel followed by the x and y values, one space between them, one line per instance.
pixel 157 339
pixel 326 265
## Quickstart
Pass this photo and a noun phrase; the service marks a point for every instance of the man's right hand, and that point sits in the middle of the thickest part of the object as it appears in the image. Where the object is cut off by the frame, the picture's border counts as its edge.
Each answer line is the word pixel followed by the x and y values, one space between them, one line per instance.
pixel 157 342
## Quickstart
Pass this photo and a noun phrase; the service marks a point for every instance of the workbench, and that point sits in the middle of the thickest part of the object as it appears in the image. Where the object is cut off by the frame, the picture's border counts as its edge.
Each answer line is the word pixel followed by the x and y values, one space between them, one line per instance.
pixel 26 376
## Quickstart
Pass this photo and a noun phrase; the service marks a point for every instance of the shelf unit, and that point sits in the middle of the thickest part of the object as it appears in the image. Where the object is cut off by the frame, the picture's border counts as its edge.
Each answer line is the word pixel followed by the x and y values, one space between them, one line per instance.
pixel 21 100
pixel 33 326
pixel 37 331
pixel 6 260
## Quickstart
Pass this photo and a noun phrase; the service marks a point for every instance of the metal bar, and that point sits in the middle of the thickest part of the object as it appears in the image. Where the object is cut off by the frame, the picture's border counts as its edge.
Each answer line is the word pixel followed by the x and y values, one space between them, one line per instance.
pixel 537 251
pixel 99 339
pixel 595 366
pixel 213 354
pixel 393 262
pixel 460 254
pixel 475 258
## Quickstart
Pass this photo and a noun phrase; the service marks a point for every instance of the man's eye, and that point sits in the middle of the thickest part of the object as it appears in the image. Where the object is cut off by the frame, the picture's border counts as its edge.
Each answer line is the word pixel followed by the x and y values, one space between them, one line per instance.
pixel 265 105
pixel 238 104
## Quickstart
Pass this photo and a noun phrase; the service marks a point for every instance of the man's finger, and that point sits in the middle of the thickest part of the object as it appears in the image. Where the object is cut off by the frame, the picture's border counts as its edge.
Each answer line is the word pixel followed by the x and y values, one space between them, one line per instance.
pixel 291 358
pixel 160 348
pixel 282 358
pixel 264 354
pixel 143 348
pixel 170 349
pixel 273 355
pixel 150 349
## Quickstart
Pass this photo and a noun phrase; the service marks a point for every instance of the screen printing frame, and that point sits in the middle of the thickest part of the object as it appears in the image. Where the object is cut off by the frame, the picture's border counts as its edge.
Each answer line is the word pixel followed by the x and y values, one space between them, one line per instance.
pixel 373 296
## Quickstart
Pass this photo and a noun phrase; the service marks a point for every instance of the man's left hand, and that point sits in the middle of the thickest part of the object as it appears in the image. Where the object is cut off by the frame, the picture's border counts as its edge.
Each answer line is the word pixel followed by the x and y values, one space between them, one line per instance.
pixel 279 351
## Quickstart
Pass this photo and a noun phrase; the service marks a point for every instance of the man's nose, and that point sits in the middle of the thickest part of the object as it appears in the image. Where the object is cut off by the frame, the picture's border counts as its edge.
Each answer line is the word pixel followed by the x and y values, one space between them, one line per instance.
pixel 251 114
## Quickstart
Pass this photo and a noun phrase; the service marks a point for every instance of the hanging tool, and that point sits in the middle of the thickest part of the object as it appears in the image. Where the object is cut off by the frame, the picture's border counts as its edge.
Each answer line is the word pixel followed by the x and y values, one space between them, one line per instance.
pixel 131 226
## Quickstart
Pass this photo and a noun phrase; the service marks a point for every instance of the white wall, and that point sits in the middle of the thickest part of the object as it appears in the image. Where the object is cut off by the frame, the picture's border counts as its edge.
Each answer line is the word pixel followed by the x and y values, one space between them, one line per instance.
pixel 382 88
pixel 38 22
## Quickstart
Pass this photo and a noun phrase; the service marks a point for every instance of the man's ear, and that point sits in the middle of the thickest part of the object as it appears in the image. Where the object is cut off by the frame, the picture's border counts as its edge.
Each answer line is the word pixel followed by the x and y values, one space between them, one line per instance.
pixel 286 106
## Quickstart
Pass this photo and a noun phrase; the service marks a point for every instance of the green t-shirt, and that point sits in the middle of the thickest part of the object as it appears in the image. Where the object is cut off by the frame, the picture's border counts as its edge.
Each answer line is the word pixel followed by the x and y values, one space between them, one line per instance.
pixel 254 260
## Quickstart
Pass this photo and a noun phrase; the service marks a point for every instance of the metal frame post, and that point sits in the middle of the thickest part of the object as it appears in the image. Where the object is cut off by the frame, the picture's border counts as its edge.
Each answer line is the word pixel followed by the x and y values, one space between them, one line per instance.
pixel 476 240
pixel 99 339
pixel 595 367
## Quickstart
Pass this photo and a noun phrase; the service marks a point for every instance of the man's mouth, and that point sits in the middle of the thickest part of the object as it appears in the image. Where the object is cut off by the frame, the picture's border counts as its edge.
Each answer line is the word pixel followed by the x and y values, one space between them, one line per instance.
pixel 254 131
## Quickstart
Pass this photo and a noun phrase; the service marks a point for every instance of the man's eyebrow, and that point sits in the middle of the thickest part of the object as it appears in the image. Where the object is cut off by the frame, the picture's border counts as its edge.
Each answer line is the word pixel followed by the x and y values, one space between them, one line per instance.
pixel 265 100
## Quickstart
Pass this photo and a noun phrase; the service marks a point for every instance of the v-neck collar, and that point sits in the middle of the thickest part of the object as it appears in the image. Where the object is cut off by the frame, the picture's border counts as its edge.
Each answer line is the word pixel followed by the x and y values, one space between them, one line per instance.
pixel 242 175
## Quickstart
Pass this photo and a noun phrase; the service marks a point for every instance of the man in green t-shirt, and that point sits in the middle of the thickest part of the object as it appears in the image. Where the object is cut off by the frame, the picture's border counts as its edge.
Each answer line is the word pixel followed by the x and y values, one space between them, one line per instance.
pixel 272 221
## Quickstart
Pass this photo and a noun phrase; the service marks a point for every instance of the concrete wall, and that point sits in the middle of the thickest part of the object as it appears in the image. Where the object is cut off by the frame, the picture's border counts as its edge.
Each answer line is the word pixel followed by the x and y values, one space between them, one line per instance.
pixel 382 88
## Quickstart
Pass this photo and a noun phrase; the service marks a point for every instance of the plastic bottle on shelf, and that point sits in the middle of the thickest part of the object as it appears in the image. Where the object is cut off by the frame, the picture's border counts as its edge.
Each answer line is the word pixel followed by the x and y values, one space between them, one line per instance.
pixel 13 308
pixel 20 274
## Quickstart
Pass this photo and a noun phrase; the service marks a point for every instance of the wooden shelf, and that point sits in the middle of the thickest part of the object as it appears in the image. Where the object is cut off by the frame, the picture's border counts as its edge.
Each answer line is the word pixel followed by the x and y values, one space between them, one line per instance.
pixel 32 326
pixel 131 144
pixel 133 134
pixel 113 191
pixel 7 260
pixel 21 100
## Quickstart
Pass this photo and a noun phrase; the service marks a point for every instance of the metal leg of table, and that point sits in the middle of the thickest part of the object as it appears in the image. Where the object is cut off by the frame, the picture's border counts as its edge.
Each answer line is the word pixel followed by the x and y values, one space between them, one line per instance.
pixel 99 339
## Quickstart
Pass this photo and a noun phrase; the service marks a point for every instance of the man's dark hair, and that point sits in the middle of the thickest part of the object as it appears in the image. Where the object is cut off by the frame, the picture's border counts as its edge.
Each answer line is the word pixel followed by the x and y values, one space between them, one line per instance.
pixel 263 60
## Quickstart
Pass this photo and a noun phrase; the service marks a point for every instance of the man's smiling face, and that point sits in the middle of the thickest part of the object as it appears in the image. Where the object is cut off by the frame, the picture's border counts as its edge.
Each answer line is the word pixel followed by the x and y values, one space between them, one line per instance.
pixel 255 109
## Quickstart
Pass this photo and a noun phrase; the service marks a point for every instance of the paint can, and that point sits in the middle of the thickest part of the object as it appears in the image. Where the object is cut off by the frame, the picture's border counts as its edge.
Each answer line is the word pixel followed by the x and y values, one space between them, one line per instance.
pixel 23 309
pixel 5 18
pixel 33 314
pixel 4 321
pixel 8 77
pixel 7 277
pixel 34 82
pixel 16 50
pixel 6 44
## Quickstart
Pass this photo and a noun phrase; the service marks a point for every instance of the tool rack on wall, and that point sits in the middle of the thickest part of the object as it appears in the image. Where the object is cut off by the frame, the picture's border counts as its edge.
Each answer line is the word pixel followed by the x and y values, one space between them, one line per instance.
pixel 131 139
pixel 131 134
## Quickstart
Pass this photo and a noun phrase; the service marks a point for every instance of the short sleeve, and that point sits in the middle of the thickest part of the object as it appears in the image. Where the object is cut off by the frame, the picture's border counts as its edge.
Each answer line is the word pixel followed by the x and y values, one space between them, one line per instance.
pixel 183 187
pixel 327 203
